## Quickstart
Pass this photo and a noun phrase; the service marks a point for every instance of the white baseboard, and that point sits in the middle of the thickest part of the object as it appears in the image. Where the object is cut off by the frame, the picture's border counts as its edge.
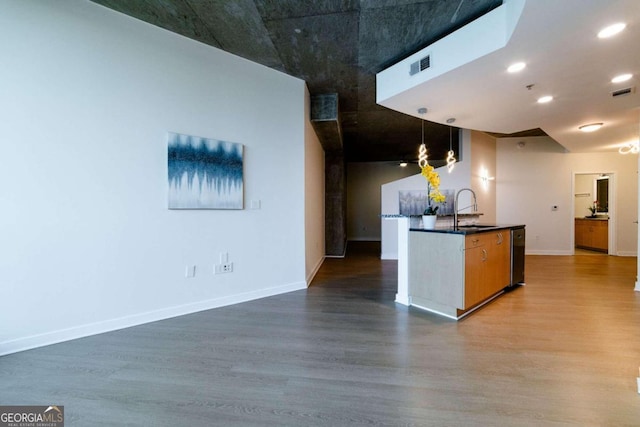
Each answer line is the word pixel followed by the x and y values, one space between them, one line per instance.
pixel 81 331
pixel 637 288
pixel 563 253
pixel 627 253
pixel 313 272
pixel 552 252
pixel 389 255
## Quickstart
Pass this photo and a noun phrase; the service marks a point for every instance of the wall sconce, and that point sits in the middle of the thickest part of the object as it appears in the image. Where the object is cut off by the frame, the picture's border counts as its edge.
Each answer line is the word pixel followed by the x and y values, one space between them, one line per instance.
pixel 485 178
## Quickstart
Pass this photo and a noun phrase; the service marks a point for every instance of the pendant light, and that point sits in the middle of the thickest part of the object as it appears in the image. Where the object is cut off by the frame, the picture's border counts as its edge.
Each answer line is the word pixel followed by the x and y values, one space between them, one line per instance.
pixel 451 160
pixel 422 151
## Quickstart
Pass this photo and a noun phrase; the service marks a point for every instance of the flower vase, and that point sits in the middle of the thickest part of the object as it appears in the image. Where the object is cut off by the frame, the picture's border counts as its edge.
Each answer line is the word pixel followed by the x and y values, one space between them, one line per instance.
pixel 429 222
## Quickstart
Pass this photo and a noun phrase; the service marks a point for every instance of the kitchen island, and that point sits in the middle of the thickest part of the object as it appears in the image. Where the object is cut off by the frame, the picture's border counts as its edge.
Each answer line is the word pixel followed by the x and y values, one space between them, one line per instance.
pixel 453 272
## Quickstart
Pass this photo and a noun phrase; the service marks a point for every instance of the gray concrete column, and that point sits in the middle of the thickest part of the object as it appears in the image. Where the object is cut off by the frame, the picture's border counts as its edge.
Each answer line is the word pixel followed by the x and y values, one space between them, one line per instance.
pixel 335 203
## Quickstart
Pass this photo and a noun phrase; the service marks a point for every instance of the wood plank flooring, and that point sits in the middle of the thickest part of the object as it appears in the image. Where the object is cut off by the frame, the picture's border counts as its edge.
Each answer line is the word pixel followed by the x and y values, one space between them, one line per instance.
pixel 564 350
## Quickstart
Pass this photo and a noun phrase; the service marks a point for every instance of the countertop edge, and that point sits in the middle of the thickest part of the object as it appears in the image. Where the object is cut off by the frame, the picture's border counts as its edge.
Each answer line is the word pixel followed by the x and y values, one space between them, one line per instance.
pixel 484 228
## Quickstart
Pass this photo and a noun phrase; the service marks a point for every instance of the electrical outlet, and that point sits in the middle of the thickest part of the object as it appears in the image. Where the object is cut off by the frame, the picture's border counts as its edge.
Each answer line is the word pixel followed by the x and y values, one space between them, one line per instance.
pixel 223 268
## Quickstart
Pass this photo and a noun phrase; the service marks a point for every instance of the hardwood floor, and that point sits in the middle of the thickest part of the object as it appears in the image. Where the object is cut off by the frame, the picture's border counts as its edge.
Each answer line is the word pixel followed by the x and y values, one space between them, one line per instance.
pixel 562 350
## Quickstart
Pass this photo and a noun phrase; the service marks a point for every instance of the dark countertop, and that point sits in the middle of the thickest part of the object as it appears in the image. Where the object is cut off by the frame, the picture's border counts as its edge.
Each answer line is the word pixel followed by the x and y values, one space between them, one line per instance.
pixel 594 218
pixel 461 215
pixel 470 229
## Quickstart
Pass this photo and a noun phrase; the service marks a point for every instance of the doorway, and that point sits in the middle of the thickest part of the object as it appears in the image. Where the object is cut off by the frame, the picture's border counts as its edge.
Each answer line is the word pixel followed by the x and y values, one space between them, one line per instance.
pixel 594 216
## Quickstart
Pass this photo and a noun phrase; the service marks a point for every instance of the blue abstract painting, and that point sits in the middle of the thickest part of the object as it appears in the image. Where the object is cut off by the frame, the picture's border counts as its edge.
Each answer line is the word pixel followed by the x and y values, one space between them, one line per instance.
pixel 204 173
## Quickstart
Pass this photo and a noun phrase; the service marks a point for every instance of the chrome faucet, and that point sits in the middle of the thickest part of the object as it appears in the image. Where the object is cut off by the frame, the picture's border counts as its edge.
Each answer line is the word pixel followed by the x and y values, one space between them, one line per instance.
pixel 455 206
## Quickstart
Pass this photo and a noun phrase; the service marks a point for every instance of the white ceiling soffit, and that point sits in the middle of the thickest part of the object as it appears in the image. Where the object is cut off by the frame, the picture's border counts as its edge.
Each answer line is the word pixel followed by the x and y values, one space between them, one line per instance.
pixel 467 79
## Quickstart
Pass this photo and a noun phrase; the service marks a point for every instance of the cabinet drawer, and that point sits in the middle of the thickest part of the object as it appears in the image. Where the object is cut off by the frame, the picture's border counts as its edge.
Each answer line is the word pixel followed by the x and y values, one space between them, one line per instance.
pixel 475 240
pixel 486 239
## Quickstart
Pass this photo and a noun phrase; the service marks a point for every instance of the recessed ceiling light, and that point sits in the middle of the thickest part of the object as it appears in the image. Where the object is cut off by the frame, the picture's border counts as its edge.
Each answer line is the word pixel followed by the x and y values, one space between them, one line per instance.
pixel 545 99
pixel 518 66
pixel 621 78
pixel 403 164
pixel 611 30
pixel 591 127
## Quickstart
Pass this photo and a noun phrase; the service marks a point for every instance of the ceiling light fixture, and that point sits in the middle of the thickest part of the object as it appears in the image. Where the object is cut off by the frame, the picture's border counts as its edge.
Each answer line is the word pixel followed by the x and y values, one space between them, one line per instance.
pixel 518 66
pixel 545 99
pixel 630 148
pixel 591 127
pixel 621 78
pixel 611 30
pixel 422 151
pixel 451 160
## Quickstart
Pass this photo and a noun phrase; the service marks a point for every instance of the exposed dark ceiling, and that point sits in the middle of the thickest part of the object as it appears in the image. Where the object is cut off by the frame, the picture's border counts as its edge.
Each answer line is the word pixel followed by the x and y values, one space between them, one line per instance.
pixel 336 46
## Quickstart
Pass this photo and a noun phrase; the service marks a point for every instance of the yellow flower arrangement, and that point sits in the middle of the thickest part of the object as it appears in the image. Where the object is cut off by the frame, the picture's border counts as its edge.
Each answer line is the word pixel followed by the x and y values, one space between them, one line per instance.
pixel 433 187
pixel 433 180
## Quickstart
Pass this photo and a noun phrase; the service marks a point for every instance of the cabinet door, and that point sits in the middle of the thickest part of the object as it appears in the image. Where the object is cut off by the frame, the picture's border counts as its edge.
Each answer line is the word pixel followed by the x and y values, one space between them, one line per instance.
pixel 474 275
pixel 588 234
pixel 584 233
pixel 499 262
pixel 581 231
pixel 600 235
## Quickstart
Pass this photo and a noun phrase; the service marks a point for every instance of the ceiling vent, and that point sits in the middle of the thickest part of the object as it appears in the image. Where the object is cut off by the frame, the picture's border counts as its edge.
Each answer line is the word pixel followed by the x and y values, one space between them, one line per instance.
pixel 420 65
pixel 622 92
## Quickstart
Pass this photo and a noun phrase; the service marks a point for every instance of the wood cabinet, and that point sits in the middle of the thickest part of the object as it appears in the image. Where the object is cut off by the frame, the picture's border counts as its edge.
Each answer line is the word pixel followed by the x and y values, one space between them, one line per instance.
pixel 487 266
pixel 592 234
pixel 452 273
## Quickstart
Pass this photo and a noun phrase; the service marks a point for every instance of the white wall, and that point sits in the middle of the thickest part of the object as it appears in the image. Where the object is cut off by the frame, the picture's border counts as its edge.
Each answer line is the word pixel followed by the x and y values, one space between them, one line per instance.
pixel 530 180
pixel 88 244
pixel 363 195
pixel 314 189
pixel 483 164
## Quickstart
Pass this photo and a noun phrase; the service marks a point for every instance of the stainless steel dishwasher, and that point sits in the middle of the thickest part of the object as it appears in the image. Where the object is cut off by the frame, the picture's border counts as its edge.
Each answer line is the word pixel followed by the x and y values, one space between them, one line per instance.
pixel 517 256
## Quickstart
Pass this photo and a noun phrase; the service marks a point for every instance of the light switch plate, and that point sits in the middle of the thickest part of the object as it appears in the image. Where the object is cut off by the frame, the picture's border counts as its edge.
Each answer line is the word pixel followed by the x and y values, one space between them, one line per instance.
pixel 190 271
